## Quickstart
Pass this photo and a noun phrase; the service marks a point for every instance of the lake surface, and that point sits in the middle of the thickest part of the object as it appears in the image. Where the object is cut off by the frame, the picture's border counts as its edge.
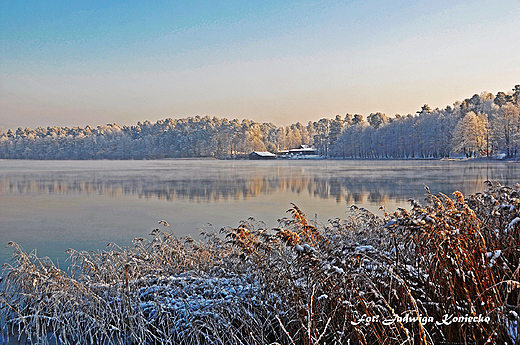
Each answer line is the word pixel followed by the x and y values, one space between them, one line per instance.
pixel 51 206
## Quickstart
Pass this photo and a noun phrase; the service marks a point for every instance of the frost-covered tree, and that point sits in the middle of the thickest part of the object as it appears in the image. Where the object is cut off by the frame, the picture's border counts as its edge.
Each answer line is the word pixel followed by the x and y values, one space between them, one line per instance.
pixel 378 119
pixel 505 129
pixel 516 95
pixel 469 135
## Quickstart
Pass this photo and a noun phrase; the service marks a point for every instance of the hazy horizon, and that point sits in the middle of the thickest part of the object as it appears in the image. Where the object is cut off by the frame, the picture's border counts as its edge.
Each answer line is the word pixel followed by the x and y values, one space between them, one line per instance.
pixel 77 63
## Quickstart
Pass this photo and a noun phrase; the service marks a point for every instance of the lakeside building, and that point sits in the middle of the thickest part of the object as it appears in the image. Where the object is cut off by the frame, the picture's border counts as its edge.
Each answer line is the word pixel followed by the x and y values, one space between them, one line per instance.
pixel 261 155
pixel 302 152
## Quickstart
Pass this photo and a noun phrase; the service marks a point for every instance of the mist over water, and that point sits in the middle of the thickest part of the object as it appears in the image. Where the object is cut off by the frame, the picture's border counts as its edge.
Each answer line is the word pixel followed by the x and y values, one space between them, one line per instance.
pixel 55 205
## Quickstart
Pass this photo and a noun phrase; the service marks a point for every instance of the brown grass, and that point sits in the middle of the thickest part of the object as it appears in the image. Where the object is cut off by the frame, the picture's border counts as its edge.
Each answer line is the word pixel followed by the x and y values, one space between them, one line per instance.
pixel 299 283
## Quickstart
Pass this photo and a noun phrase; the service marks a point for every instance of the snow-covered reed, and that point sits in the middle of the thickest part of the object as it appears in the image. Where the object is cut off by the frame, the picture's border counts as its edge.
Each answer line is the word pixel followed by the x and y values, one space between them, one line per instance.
pixel 447 272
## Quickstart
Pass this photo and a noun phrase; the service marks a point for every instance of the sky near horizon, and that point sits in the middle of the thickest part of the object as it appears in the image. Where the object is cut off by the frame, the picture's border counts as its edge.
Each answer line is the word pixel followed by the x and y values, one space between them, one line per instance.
pixel 68 63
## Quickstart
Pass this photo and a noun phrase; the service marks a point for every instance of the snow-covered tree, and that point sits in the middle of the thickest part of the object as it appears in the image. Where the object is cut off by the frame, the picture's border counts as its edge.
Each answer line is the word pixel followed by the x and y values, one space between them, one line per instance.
pixel 469 135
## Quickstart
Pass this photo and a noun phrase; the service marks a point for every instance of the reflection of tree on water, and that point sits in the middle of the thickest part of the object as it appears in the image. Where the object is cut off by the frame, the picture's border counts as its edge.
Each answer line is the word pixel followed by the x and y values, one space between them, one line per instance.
pixel 375 185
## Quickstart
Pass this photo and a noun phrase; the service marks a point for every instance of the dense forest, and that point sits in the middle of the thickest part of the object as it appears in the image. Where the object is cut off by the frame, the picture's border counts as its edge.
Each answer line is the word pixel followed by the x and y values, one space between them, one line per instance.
pixel 483 125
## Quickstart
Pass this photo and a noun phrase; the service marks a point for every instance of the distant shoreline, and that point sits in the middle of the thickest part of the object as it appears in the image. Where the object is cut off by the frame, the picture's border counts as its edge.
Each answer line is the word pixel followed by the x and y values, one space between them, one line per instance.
pixel 245 158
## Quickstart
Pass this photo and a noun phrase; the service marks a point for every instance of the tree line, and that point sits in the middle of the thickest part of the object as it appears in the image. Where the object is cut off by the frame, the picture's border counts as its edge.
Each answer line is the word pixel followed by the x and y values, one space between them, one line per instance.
pixel 483 125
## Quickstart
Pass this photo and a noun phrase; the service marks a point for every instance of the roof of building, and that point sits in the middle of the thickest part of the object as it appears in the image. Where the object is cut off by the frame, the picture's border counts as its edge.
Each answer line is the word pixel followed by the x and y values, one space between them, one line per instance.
pixel 264 154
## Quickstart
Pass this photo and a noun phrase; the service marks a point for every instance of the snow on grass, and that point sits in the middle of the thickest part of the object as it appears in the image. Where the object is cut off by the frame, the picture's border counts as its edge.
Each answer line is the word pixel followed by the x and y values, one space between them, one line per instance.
pixel 354 280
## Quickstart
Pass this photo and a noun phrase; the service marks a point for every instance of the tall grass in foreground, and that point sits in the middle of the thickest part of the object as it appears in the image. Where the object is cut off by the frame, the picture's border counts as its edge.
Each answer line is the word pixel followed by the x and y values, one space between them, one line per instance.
pixel 445 273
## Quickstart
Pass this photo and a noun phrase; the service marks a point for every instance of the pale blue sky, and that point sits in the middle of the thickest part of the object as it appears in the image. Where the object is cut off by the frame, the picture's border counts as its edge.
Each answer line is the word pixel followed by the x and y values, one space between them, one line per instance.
pixel 69 63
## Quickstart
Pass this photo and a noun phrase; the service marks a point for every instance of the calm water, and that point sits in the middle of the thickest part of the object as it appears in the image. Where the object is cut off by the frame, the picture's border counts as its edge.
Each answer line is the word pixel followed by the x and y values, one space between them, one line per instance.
pixel 51 206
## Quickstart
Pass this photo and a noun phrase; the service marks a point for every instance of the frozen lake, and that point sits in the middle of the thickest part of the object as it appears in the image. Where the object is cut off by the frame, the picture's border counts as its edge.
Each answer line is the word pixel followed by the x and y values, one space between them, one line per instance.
pixel 55 205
